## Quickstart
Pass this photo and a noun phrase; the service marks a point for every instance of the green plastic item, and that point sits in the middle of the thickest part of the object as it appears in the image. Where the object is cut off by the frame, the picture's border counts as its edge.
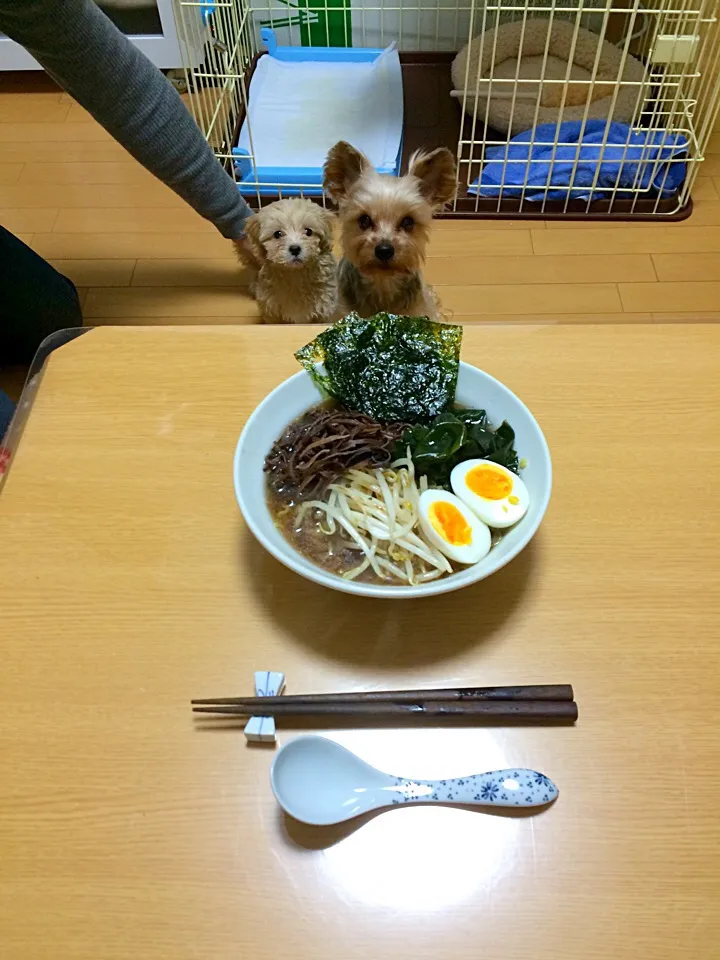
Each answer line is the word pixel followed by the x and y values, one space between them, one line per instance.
pixel 322 23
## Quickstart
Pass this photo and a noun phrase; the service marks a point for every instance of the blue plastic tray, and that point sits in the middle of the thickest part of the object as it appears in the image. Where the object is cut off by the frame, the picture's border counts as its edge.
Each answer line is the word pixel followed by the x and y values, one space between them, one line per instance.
pixel 305 180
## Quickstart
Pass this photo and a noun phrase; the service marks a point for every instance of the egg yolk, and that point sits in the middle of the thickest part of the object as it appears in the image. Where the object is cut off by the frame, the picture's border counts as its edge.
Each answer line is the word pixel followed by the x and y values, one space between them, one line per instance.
pixel 488 483
pixel 450 523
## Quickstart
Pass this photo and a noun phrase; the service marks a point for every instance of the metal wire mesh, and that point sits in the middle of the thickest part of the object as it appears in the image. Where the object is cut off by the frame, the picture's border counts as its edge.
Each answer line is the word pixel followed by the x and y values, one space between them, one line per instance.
pixel 674 100
pixel 675 89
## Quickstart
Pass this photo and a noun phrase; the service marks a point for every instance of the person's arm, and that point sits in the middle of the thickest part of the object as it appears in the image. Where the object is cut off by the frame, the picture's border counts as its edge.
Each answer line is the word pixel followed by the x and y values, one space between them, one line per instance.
pixel 88 56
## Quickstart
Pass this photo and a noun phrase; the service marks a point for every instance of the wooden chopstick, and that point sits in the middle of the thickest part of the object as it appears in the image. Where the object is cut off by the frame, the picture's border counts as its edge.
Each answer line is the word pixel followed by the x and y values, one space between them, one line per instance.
pixel 534 692
pixel 431 709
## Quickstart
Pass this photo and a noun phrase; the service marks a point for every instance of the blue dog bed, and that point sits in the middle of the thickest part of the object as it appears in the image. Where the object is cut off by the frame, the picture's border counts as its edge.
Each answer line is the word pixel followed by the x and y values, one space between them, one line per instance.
pixel 647 160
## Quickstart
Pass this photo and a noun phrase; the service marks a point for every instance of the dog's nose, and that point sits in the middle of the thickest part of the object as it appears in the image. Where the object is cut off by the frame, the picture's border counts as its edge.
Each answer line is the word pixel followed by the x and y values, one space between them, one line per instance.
pixel 295 250
pixel 384 251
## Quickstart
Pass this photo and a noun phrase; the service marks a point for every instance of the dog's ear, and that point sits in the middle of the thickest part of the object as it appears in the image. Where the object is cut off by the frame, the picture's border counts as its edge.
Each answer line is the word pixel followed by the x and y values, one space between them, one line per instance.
pixel 436 173
pixel 343 168
pixel 326 223
pixel 250 249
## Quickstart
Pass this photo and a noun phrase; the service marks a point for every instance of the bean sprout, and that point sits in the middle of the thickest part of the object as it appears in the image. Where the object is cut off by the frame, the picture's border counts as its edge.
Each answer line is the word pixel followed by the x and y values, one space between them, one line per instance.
pixel 377 513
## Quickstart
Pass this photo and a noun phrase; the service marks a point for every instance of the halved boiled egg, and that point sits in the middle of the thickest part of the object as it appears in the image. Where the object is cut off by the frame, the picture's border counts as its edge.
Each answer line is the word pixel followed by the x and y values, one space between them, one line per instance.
pixel 452 528
pixel 494 493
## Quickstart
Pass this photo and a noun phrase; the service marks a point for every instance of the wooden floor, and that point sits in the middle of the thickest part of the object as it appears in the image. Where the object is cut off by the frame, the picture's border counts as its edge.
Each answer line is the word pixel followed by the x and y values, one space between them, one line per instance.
pixel 141 256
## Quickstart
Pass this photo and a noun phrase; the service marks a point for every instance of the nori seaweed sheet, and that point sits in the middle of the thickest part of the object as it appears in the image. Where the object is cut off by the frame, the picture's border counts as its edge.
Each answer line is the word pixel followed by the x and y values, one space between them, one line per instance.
pixel 389 367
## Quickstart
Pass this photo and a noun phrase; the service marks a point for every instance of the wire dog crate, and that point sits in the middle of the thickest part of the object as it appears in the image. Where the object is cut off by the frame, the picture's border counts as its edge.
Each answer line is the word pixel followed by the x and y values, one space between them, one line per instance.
pixel 582 109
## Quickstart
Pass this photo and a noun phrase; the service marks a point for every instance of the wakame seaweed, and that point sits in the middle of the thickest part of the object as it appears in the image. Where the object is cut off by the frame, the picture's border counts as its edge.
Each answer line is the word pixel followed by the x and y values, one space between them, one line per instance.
pixel 388 367
pixel 455 436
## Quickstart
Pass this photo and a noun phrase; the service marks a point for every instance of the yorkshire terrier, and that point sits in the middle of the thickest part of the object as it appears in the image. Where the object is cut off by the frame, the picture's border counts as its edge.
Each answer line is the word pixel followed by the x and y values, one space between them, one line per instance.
pixel 288 248
pixel 385 223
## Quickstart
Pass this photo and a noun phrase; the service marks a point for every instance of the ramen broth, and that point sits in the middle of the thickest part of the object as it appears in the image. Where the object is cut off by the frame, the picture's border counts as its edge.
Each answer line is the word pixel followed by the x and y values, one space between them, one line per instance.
pixel 334 552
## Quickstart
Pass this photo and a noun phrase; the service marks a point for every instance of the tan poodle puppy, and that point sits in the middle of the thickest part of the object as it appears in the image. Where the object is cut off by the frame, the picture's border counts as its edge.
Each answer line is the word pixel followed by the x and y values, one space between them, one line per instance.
pixel 288 247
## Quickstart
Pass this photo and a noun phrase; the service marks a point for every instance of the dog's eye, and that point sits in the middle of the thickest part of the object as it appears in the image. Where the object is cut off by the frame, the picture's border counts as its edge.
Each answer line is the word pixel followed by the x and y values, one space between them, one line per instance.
pixel 407 223
pixel 278 234
pixel 364 222
pixel 308 232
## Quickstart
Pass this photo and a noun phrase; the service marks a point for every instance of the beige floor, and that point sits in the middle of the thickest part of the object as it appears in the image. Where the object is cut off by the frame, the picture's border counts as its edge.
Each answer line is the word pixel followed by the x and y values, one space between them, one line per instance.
pixel 140 255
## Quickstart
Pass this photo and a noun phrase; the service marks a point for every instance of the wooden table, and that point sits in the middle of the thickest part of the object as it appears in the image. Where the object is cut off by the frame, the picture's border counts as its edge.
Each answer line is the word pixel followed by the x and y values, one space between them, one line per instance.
pixel 129 585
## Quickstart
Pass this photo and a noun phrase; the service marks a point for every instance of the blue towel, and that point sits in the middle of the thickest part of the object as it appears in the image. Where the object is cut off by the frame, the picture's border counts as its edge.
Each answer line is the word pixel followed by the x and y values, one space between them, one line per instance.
pixel 630 158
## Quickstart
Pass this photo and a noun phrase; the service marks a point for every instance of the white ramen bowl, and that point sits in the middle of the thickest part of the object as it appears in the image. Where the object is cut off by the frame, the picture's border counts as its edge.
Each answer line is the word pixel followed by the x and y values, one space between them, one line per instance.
pixel 475 389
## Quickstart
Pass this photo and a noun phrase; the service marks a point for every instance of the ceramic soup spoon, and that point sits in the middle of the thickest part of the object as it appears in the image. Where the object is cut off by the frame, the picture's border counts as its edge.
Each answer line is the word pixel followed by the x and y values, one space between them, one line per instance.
pixel 319 782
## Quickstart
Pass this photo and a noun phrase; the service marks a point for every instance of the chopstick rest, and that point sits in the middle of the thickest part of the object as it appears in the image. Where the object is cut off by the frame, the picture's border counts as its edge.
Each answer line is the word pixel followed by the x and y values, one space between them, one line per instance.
pixel 268 683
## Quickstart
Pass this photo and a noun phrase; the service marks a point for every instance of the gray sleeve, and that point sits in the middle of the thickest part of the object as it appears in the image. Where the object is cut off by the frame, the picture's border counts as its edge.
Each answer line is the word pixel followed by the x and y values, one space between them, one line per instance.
pixel 91 59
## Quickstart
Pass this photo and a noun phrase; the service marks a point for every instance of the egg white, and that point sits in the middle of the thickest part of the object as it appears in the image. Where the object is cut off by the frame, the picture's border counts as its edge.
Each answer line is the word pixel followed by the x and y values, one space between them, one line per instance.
pixel 480 537
pixel 497 514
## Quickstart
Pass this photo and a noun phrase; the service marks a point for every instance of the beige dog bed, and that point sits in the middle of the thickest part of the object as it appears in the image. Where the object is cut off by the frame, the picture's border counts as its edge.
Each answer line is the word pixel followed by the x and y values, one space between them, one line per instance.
pixel 500 54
